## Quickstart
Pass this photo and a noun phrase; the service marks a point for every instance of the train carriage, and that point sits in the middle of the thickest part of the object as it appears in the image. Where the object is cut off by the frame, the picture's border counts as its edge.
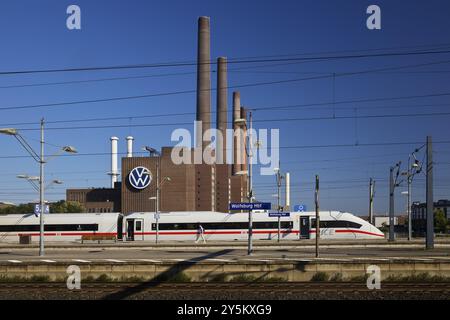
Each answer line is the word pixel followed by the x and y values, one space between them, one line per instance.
pixel 183 226
pixel 58 226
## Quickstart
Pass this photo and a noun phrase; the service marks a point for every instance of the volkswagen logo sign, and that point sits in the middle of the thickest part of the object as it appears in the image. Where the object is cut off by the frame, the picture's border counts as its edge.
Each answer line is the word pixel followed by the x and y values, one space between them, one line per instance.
pixel 140 178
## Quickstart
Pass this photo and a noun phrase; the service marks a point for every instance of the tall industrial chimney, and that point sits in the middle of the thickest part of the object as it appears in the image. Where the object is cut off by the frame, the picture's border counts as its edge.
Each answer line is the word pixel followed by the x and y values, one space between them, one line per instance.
pixel 236 132
pixel 243 140
pixel 288 192
pixel 222 109
pixel 130 146
pixel 203 81
pixel 114 171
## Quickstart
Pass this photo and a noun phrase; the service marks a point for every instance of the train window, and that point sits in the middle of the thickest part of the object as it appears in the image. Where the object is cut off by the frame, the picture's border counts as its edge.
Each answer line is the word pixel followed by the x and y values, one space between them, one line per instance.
pixel 224 225
pixel 138 225
pixel 49 227
pixel 336 224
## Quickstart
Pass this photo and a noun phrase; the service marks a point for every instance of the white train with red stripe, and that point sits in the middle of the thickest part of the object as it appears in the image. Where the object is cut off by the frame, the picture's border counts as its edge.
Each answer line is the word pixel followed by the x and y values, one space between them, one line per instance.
pixel 58 226
pixel 183 226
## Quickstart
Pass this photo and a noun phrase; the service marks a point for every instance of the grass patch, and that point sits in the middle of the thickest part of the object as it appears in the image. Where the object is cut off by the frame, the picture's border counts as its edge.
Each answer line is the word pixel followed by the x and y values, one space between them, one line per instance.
pixel 273 279
pixel 172 277
pixel 243 278
pixel 362 278
pixel 103 278
pixel 221 277
pixel 133 279
pixel 43 278
pixel 4 279
pixel 337 277
pixel 419 277
pixel 320 277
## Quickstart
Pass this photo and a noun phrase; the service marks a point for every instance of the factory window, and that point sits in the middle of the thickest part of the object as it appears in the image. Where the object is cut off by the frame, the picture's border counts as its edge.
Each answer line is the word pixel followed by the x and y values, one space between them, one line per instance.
pixel 49 227
pixel 336 224
pixel 224 225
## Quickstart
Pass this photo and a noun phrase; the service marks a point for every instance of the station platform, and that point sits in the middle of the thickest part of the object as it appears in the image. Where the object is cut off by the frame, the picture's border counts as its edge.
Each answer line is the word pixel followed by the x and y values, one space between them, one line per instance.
pixel 443 242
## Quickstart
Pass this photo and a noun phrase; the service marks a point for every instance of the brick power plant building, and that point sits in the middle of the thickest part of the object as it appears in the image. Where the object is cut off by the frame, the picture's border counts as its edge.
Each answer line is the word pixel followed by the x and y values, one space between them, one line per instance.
pixel 190 187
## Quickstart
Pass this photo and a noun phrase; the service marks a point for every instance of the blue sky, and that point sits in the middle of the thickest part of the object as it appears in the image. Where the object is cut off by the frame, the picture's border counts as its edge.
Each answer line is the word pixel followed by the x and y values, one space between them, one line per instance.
pixel 34 36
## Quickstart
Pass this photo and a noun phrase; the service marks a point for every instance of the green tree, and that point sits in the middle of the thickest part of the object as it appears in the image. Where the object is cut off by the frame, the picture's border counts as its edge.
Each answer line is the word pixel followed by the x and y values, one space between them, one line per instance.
pixel 440 220
pixel 20 209
pixel 66 207
pixel 56 207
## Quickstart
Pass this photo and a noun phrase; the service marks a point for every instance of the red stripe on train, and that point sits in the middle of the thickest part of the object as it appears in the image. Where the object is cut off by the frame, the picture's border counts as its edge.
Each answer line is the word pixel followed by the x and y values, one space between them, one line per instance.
pixel 154 233
pixel 213 232
pixel 352 231
pixel 70 234
pixel 192 233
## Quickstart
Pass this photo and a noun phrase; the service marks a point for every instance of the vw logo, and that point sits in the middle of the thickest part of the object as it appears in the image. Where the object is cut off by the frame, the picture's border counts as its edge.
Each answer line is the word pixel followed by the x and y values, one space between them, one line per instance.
pixel 140 178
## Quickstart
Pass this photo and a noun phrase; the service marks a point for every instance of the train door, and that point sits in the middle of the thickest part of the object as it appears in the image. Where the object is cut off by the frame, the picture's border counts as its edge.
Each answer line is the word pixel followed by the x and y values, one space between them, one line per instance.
pixel 130 229
pixel 135 229
pixel 304 227
pixel 138 229
pixel 120 228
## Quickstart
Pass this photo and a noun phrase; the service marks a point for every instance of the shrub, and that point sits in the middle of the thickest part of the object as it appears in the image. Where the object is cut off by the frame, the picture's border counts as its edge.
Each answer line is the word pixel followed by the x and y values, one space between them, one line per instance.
pixel 336 277
pixel 320 276
pixel 243 278
pixel 221 277
pixel 40 278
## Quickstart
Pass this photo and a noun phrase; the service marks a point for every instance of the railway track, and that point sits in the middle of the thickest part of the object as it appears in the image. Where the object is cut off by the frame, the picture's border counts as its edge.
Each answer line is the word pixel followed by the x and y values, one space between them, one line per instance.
pixel 288 290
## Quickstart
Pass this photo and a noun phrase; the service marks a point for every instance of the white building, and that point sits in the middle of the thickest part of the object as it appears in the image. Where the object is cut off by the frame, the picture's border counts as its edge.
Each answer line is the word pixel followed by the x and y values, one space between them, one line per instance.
pixel 379 221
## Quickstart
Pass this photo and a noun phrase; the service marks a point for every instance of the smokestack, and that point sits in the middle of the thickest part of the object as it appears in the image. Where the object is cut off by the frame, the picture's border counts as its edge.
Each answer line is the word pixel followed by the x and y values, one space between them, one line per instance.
pixel 203 80
pixel 114 171
pixel 243 139
pixel 222 108
pixel 130 146
pixel 288 192
pixel 236 135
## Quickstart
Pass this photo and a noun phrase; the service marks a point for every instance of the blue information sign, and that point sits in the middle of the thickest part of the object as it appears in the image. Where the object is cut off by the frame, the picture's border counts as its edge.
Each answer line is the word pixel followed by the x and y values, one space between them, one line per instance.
pixel 250 206
pixel 279 214
pixel 300 208
pixel 37 209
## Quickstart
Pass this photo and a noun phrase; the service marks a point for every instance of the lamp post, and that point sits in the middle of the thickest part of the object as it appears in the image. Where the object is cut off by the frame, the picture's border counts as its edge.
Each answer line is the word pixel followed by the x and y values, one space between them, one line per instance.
pixel 279 178
pixel 158 187
pixel 32 179
pixel 41 160
pixel 153 152
pixel 250 186
pixel 393 183
pixel 413 169
pixel 156 220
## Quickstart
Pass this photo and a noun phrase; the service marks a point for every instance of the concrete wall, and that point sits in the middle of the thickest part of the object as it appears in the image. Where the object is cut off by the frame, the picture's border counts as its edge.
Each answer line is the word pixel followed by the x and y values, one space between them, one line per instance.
pixel 206 271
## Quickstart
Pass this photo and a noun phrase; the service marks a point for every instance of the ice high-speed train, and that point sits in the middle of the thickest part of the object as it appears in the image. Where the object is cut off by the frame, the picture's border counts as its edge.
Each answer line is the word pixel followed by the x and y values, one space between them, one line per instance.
pixel 183 226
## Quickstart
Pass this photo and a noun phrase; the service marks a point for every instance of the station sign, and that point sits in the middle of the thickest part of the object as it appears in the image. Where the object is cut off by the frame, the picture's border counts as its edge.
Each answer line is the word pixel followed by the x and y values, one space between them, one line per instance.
pixel 37 209
pixel 279 214
pixel 300 208
pixel 250 206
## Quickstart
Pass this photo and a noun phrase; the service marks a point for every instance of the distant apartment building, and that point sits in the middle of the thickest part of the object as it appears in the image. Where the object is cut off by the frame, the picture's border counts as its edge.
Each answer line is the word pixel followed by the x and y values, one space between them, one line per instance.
pixel 97 200
pixel 419 215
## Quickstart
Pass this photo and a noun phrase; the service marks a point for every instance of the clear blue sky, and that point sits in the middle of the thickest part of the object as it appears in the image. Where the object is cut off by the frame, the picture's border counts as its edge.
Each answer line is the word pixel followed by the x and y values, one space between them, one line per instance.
pixel 34 36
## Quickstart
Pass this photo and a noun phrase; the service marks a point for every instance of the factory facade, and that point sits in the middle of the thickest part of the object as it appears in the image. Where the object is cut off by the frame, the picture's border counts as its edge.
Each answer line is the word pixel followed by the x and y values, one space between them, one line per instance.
pixel 157 183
